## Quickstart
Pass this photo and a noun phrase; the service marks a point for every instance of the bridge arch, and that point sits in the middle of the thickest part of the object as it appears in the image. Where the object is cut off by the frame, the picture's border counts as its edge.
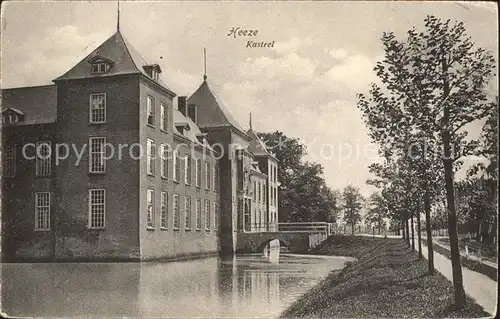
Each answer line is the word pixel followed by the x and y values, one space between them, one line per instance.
pixel 262 245
pixel 296 236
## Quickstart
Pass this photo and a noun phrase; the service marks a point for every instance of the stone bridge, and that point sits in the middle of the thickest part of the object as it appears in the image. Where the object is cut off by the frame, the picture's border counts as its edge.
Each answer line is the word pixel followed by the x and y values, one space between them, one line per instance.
pixel 299 237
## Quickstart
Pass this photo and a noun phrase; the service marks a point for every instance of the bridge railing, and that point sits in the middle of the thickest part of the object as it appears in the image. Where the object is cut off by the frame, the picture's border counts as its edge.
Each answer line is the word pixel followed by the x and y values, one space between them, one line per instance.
pixel 260 228
pixel 306 227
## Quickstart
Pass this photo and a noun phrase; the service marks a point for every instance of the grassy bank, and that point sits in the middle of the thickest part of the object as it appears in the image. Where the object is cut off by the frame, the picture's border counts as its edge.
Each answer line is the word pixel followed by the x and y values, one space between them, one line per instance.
pixel 387 280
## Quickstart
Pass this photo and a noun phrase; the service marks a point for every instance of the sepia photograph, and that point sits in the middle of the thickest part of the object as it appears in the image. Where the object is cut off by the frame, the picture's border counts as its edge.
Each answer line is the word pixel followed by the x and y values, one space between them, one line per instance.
pixel 249 159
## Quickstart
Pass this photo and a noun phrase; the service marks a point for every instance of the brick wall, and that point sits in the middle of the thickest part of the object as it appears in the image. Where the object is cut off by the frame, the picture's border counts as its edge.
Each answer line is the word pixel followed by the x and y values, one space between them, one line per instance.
pixel 19 237
pixel 169 242
pixel 120 236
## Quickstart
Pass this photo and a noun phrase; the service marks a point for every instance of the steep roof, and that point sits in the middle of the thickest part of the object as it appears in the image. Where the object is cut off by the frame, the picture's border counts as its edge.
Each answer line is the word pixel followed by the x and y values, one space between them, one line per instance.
pixel 193 131
pixel 126 60
pixel 257 146
pixel 212 112
pixel 38 103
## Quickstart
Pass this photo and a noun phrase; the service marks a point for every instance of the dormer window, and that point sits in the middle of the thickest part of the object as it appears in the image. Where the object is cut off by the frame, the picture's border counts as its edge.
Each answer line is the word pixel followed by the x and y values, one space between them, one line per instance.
pixel 12 116
pixel 154 75
pixel 10 119
pixel 153 71
pixel 100 68
pixel 182 127
pixel 202 137
pixel 99 64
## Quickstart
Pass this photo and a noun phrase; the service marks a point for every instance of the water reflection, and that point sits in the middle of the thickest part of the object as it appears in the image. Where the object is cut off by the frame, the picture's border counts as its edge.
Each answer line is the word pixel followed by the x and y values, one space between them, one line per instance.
pixel 242 286
pixel 272 251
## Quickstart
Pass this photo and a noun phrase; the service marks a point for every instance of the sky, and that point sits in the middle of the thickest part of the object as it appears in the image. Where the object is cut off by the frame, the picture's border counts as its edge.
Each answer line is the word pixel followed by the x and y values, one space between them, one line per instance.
pixel 305 85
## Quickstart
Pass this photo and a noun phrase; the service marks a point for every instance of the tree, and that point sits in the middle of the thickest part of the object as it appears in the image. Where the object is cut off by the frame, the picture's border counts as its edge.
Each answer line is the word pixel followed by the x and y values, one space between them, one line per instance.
pixel 488 146
pixel 352 202
pixel 476 207
pixel 377 211
pixel 304 195
pixel 289 152
pixel 335 198
pixel 480 189
pixel 434 81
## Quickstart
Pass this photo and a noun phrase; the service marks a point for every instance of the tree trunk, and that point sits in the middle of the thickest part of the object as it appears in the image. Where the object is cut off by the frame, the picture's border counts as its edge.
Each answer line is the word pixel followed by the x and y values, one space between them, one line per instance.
pixel 419 235
pixel 450 200
pixel 478 238
pixel 430 248
pixel 403 236
pixel 352 228
pixel 452 232
pixel 448 159
pixel 407 232
pixel 412 235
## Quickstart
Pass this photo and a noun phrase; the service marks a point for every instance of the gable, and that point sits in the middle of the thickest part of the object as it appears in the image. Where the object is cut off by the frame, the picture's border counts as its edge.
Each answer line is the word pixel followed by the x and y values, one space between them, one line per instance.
pixel 112 51
pixel 120 56
pixel 258 147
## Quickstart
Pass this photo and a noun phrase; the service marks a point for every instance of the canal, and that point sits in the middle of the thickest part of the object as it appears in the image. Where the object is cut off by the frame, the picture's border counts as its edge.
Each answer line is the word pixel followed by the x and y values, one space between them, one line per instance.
pixel 242 286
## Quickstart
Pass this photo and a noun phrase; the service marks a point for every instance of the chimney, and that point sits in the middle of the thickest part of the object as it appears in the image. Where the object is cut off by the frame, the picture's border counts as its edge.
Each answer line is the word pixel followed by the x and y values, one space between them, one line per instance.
pixel 181 105
pixel 192 112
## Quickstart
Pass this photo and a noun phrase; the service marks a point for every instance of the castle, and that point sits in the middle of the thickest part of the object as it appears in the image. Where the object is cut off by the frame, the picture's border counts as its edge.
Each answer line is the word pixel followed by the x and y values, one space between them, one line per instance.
pixel 108 163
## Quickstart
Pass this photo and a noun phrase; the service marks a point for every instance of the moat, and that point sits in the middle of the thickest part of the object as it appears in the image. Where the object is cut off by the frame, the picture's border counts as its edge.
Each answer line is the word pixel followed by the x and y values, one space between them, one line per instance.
pixel 242 286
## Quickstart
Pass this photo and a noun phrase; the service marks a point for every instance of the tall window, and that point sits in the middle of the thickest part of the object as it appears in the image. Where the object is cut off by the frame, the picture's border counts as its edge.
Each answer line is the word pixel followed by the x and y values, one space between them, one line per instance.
pixel 197 172
pixel 9 161
pixel 187 170
pixel 150 202
pixel 164 210
pixel 164 161
pixel 151 111
pixel 216 215
pixel 164 117
pixel 207 175
pixel 216 178
pixel 198 214
pixel 151 157
pixel 271 197
pixel 246 218
pixel 176 212
pixel 177 168
pixel 254 191
pixel 275 196
pixel 97 162
pixel 187 208
pixel 43 156
pixel 98 108
pixel 263 193
pixel 42 211
pixel 207 214
pixel 259 192
pixel 97 208
pixel 275 191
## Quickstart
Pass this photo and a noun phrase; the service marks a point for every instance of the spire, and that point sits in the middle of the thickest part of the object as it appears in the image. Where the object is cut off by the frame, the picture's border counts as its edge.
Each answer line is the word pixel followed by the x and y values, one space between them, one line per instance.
pixel 250 121
pixel 118 17
pixel 204 64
